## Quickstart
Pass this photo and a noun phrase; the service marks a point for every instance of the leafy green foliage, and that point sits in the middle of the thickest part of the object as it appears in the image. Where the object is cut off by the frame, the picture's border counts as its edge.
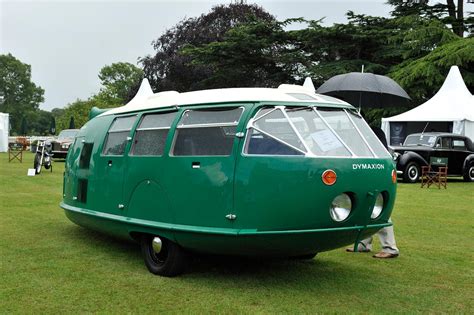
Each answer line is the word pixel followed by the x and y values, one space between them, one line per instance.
pixel 20 95
pixel 258 53
pixel 79 111
pixel 423 77
pixel 169 69
pixel 119 80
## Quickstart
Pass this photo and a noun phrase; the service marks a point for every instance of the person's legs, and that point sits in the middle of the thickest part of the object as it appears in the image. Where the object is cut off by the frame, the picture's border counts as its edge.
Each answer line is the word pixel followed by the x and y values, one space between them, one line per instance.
pixel 387 240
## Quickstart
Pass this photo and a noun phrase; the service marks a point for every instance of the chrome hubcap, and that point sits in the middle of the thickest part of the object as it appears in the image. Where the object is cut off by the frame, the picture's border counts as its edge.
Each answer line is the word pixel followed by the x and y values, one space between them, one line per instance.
pixel 413 172
pixel 156 245
pixel 471 172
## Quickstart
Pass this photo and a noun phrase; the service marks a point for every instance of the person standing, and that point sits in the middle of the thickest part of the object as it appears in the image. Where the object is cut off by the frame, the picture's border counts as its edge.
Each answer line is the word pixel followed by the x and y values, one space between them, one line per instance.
pixel 387 240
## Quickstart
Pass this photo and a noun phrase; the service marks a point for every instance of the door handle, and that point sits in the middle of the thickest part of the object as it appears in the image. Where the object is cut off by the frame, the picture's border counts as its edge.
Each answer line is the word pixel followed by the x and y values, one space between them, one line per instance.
pixel 196 164
pixel 109 163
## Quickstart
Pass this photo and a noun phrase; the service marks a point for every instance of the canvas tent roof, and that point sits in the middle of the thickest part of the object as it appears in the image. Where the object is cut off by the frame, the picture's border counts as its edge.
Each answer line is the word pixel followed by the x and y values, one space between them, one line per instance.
pixel 453 102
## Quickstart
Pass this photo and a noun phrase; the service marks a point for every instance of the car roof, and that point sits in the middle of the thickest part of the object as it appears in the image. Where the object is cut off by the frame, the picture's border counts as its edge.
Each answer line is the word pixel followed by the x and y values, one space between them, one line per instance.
pixel 284 93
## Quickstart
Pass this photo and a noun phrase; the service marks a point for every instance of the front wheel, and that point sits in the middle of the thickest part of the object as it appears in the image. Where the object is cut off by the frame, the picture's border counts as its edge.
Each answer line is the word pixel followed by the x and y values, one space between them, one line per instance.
pixel 37 164
pixel 469 173
pixel 411 173
pixel 162 257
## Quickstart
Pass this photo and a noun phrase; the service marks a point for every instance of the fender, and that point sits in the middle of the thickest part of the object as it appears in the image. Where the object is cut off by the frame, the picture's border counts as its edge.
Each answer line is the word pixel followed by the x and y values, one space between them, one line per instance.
pixel 468 160
pixel 408 157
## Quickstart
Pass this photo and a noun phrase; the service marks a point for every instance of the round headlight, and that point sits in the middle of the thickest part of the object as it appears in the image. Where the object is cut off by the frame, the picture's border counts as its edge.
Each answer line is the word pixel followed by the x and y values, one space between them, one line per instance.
pixel 378 207
pixel 341 207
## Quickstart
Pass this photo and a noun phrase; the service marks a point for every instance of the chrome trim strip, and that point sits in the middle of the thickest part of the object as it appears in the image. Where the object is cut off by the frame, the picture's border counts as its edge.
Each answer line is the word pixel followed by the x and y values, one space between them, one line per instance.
pixel 152 128
pixel 295 130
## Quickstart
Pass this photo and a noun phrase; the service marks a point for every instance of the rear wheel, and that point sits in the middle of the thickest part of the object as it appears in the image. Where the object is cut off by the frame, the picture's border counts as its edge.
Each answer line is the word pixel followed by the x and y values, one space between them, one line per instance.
pixel 162 257
pixel 37 164
pixel 411 173
pixel 469 173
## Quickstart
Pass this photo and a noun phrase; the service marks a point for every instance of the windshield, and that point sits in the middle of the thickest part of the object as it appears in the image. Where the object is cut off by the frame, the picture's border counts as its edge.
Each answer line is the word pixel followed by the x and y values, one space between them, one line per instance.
pixel 420 140
pixel 67 134
pixel 311 131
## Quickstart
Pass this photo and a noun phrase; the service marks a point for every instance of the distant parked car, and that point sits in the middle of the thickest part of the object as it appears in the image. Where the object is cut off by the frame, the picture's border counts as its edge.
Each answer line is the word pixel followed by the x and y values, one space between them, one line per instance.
pixel 63 142
pixel 419 147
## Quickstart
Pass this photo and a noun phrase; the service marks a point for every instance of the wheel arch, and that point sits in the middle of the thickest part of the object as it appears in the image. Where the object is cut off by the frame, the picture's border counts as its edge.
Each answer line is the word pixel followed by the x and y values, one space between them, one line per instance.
pixel 467 161
pixel 408 157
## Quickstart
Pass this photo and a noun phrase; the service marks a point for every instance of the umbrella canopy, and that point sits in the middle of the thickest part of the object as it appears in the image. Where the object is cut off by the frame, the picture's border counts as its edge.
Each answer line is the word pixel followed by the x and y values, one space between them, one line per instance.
pixel 365 90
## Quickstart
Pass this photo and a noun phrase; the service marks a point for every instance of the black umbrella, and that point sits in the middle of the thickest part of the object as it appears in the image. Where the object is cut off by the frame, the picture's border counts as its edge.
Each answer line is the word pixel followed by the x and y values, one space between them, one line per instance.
pixel 365 90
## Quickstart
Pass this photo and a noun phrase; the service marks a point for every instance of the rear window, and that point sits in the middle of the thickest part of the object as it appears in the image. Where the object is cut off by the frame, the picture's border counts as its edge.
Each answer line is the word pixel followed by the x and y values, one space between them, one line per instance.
pixel 206 132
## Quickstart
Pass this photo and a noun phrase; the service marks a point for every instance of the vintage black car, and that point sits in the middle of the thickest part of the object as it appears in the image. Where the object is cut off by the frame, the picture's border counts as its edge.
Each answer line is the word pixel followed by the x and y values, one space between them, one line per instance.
pixel 63 142
pixel 418 148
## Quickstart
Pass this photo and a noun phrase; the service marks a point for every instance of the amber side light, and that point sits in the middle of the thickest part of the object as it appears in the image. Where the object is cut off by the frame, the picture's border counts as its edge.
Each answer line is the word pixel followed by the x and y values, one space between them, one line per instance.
pixel 329 177
pixel 394 176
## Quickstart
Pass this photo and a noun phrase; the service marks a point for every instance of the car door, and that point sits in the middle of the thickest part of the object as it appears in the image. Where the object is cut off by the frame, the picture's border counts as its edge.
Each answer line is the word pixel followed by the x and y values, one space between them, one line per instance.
pixel 458 154
pixel 200 168
pixel 110 168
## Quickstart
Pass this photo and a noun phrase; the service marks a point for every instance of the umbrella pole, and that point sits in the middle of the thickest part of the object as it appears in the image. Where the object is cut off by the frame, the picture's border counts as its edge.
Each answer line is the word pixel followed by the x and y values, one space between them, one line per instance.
pixel 360 93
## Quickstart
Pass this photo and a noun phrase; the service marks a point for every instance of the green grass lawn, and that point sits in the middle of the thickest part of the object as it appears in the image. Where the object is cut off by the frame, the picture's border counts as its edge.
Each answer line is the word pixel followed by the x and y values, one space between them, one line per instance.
pixel 50 265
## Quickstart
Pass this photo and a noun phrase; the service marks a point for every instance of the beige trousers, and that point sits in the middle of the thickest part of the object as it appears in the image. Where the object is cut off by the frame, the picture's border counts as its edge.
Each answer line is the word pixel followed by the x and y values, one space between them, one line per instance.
pixel 387 240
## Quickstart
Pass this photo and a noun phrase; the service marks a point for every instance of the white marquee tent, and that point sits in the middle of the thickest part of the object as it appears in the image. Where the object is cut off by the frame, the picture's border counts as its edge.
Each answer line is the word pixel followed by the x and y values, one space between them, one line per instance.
pixel 451 109
pixel 4 129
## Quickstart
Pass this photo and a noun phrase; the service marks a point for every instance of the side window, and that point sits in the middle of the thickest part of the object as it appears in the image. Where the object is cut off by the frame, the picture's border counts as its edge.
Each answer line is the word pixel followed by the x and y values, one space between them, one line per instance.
pixel 116 140
pixel 270 133
pixel 85 157
pixel 151 133
pixel 206 132
pixel 446 143
pixel 459 144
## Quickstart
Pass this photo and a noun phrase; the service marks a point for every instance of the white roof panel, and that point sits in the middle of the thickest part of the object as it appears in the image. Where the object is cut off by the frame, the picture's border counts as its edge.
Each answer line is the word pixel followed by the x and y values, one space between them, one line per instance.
pixel 145 99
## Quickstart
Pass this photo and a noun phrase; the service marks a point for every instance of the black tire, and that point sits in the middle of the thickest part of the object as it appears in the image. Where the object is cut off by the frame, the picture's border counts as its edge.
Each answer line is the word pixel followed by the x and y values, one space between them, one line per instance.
pixel 169 262
pixel 469 173
pixel 37 164
pixel 412 173
pixel 305 257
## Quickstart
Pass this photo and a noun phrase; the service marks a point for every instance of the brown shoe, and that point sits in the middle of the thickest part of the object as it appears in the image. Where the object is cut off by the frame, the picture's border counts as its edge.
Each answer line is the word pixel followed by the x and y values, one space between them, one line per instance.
pixel 385 255
pixel 351 250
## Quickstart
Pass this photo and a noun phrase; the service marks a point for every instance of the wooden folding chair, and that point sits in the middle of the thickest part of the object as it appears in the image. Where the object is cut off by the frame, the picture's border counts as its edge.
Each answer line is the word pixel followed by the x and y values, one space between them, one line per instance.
pixel 15 152
pixel 436 173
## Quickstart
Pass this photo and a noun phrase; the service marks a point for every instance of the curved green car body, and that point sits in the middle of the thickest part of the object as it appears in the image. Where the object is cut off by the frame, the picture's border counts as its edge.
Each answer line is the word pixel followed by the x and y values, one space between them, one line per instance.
pixel 239 203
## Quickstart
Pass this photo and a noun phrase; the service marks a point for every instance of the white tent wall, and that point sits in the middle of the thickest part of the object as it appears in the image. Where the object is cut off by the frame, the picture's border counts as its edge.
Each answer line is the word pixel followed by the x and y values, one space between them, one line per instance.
pixel 4 130
pixel 451 109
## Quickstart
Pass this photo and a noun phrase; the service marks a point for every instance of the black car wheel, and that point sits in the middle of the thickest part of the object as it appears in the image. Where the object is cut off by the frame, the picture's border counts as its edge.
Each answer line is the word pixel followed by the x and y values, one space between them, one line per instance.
pixel 411 173
pixel 162 257
pixel 469 173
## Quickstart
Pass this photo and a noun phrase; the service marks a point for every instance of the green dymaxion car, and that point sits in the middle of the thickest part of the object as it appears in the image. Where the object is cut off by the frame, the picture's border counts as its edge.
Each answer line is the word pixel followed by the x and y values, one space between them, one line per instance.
pixel 244 171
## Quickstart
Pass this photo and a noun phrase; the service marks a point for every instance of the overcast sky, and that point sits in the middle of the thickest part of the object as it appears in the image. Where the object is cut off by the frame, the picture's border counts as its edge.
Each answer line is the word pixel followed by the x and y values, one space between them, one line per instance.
pixel 68 42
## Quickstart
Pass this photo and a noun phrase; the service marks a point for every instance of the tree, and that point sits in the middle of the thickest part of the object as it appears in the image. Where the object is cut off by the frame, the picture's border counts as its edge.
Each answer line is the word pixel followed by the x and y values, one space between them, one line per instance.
pixel 39 122
pixel 20 95
pixel 259 53
pixel 423 77
pixel 118 81
pixel 169 69
pixel 72 125
pixel 450 13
